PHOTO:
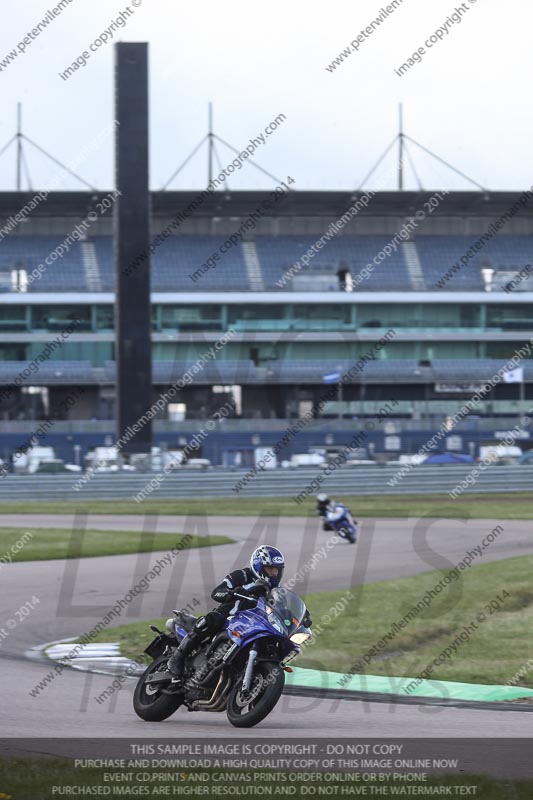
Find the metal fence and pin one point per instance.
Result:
(270, 483)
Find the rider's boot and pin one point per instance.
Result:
(189, 643)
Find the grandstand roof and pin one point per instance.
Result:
(297, 203)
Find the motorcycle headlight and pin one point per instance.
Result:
(277, 625)
(300, 638)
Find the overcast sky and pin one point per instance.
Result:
(468, 99)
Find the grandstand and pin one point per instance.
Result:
(289, 334)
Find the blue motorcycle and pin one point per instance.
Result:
(345, 526)
(241, 671)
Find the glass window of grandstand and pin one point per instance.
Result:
(442, 316)
(449, 316)
(34, 403)
(509, 317)
(258, 318)
(319, 317)
(503, 351)
(191, 318)
(104, 318)
(303, 317)
(57, 318)
(13, 318)
(13, 352)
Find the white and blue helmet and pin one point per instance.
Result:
(267, 556)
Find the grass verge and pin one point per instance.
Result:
(493, 653)
(42, 544)
(491, 646)
(515, 505)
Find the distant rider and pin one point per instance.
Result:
(330, 511)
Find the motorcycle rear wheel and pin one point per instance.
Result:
(245, 712)
(151, 704)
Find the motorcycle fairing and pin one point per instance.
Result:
(254, 624)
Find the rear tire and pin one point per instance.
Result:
(262, 705)
(150, 704)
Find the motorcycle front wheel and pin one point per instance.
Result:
(149, 702)
(245, 711)
(348, 534)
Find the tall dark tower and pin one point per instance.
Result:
(133, 350)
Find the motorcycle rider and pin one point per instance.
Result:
(330, 511)
(265, 572)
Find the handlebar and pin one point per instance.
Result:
(254, 593)
(242, 596)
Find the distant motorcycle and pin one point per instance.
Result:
(345, 525)
(241, 671)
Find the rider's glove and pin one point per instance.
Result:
(239, 592)
(260, 586)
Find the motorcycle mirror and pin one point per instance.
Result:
(156, 630)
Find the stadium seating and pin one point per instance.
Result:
(48, 372)
(469, 370)
(278, 254)
(294, 372)
(284, 372)
(103, 246)
(64, 274)
(439, 253)
(357, 372)
(179, 257)
(219, 371)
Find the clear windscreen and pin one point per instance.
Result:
(287, 608)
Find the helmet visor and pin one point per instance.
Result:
(273, 574)
(271, 571)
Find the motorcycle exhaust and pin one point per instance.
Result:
(215, 665)
(217, 701)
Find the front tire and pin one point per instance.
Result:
(149, 703)
(244, 712)
(348, 534)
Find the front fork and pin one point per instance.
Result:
(248, 673)
(252, 658)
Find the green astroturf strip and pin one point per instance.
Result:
(442, 690)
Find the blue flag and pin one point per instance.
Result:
(333, 377)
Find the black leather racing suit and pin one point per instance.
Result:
(240, 580)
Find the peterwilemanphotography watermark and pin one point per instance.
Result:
(265, 323)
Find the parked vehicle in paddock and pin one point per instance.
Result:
(240, 671)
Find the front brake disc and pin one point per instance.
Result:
(243, 700)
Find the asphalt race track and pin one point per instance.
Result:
(74, 595)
